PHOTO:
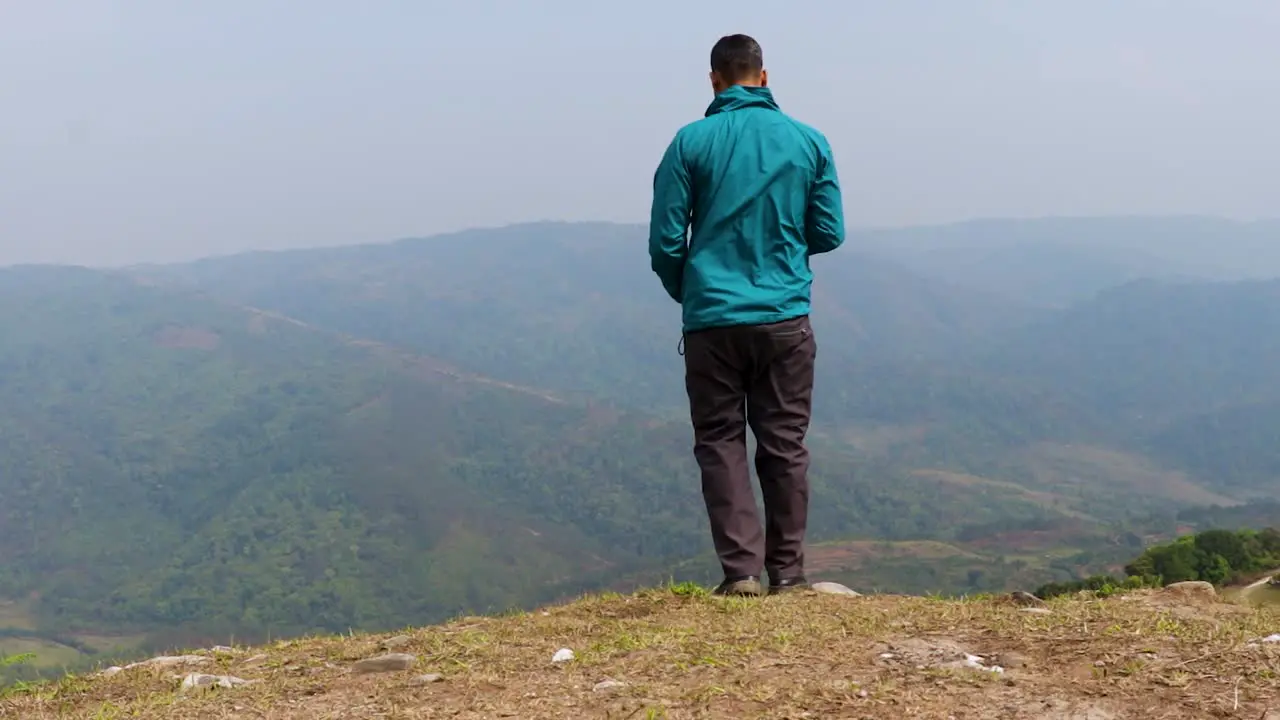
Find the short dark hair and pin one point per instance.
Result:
(736, 57)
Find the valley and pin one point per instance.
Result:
(272, 444)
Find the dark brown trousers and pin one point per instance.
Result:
(759, 376)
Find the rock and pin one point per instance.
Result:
(562, 655)
(427, 679)
(831, 588)
(1025, 599)
(222, 650)
(1036, 610)
(111, 671)
(166, 661)
(199, 681)
(974, 662)
(1191, 591)
(391, 662)
(607, 685)
(397, 642)
(256, 659)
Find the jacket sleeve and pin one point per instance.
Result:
(669, 220)
(824, 217)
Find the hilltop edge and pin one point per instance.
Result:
(675, 652)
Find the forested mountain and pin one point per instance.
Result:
(167, 459)
(929, 372)
(384, 434)
(572, 307)
(172, 462)
(1150, 351)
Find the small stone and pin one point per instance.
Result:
(111, 671)
(196, 681)
(391, 662)
(1036, 611)
(606, 685)
(562, 655)
(1026, 599)
(863, 694)
(397, 642)
(832, 588)
(222, 650)
(256, 659)
(427, 679)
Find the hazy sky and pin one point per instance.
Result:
(153, 129)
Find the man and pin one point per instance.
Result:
(760, 192)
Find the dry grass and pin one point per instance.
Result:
(685, 655)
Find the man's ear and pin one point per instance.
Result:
(764, 78)
(716, 85)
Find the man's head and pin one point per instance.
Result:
(737, 60)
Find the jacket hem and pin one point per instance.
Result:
(768, 319)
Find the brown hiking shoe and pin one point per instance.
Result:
(747, 586)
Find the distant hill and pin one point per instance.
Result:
(1149, 352)
(574, 306)
(963, 377)
(1059, 261)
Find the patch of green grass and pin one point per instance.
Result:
(687, 589)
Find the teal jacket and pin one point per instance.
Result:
(760, 192)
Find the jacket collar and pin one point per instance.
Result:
(740, 96)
